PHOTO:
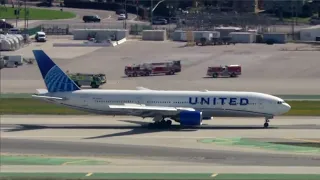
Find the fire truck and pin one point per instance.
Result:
(147, 69)
(224, 71)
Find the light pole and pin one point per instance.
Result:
(151, 12)
(126, 15)
(153, 8)
(292, 21)
(25, 15)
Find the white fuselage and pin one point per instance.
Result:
(210, 103)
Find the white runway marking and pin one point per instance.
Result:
(89, 174)
(214, 175)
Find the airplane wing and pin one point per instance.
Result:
(150, 110)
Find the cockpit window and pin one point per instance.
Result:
(280, 102)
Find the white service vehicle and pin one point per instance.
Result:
(11, 61)
(122, 17)
(41, 36)
(188, 108)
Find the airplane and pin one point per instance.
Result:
(189, 108)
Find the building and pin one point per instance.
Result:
(246, 5)
(287, 6)
(310, 33)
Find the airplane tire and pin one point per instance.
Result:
(266, 125)
(169, 122)
(160, 124)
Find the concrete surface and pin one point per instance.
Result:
(124, 143)
(168, 168)
(267, 69)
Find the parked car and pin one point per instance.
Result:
(5, 25)
(159, 22)
(122, 17)
(94, 18)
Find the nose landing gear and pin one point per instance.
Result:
(266, 124)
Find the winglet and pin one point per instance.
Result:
(55, 79)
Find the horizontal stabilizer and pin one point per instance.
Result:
(143, 88)
(42, 91)
(48, 97)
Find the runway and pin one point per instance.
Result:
(126, 141)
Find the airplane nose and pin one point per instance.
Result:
(287, 107)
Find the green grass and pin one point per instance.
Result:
(299, 19)
(304, 108)
(36, 14)
(35, 106)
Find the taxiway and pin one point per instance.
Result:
(125, 141)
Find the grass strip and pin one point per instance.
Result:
(36, 160)
(35, 14)
(35, 106)
(304, 108)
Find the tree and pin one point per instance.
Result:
(306, 10)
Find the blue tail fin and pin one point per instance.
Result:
(55, 79)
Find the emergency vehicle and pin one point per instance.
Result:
(83, 79)
(224, 71)
(147, 69)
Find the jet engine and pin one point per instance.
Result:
(190, 118)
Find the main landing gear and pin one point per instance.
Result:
(266, 124)
(160, 123)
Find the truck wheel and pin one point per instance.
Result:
(134, 74)
(77, 84)
(93, 85)
(214, 75)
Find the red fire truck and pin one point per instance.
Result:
(224, 71)
(146, 69)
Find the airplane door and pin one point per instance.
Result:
(84, 101)
(260, 104)
(139, 100)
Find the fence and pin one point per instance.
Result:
(32, 31)
(53, 29)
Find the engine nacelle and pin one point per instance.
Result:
(190, 118)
